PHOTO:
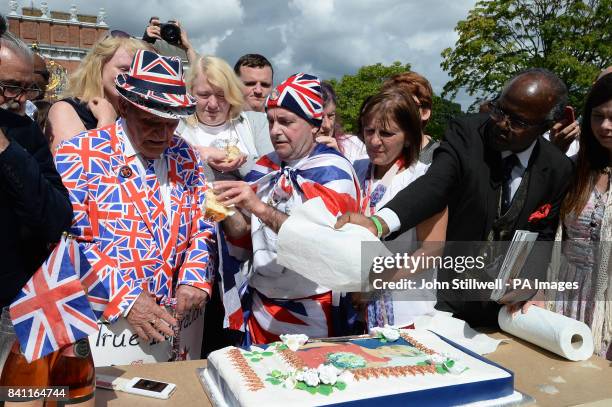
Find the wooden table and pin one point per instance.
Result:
(537, 373)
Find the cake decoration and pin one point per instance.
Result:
(346, 360)
(294, 341)
(257, 354)
(416, 344)
(445, 364)
(322, 380)
(386, 334)
(252, 381)
(290, 357)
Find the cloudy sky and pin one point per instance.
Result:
(329, 38)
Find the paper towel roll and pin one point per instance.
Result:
(554, 332)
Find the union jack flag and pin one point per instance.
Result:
(300, 92)
(52, 309)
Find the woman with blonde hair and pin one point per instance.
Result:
(90, 100)
(229, 139)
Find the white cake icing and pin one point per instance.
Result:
(230, 379)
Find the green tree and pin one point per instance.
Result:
(499, 38)
(352, 90)
(442, 111)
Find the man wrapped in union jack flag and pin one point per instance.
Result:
(137, 190)
(279, 300)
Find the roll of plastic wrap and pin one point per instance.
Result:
(554, 332)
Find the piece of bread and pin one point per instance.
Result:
(214, 210)
(233, 152)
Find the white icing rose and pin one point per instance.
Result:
(346, 377)
(328, 374)
(391, 334)
(388, 332)
(290, 382)
(457, 367)
(294, 342)
(436, 359)
(311, 377)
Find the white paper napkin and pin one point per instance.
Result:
(309, 244)
(458, 331)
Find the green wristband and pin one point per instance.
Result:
(379, 228)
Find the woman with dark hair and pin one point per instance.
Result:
(390, 125)
(331, 133)
(586, 228)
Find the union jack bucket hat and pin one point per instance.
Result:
(300, 94)
(155, 84)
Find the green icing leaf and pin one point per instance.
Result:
(449, 363)
(309, 389)
(440, 369)
(325, 389)
(340, 385)
(267, 354)
(273, 380)
(304, 386)
(255, 359)
(276, 373)
(282, 346)
(422, 364)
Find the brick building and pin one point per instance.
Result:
(64, 37)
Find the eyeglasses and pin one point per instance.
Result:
(515, 124)
(14, 91)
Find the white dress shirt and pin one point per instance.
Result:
(572, 150)
(393, 221)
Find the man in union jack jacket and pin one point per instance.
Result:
(137, 191)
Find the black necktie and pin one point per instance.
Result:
(508, 164)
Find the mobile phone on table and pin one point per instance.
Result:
(150, 388)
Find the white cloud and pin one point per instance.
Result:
(329, 38)
(209, 47)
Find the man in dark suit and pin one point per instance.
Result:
(492, 171)
(34, 205)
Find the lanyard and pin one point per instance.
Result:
(375, 190)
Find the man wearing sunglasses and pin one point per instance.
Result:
(493, 171)
(34, 205)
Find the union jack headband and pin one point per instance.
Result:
(300, 94)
